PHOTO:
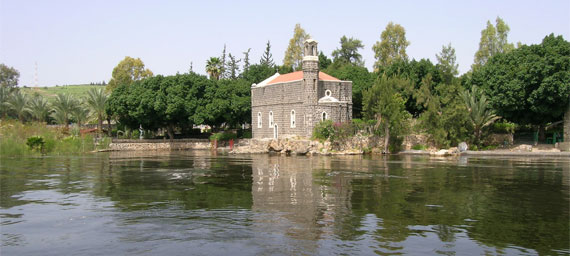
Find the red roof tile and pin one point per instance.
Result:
(298, 75)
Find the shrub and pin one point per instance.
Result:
(36, 143)
(504, 127)
(223, 136)
(323, 130)
(419, 147)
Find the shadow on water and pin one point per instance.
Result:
(167, 202)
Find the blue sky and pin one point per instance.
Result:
(81, 41)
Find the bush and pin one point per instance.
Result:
(504, 127)
(36, 143)
(419, 147)
(245, 134)
(223, 136)
(323, 130)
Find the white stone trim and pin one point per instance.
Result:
(264, 82)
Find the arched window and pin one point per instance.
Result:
(259, 122)
(325, 117)
(271, 119)
(293, 124)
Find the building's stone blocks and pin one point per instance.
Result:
(303, 97)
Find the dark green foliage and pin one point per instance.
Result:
(324, 61)
(267, 57)
(36, 143)
(257, 73)
(160, 102)
(323, 130)
(223, 136)
(8, 76)
(361, 79)
(348, 52)
(284, 69)
(227, 102)
(504, 127)
(531, 84)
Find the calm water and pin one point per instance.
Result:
(195, 203)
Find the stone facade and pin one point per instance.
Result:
(292, 104)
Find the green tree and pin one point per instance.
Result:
(348, 52)
(128, 71)
(223, 65)
(531, 84)
(39, 108)
(447, 63)
(96, 100)
(8, 76)
(5, 94)
(480, 113)
(267, 57)
(214, 68)
(392, 46)
(386, 105)
(18, 103)
(493, 41)
(258, 73)
(233, 67)
(324, 61)
(361, 79)
(246, 59)
(63, 106)
(294, 53)
(80, 113)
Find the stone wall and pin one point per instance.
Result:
(156, 145)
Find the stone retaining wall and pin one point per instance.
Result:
(143, 146)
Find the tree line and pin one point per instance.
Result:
(524, 84)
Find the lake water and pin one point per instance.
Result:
(198, 203)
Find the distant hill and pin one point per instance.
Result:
(77, 91)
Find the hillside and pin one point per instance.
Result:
(77, 91)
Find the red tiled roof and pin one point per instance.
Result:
(298, 75)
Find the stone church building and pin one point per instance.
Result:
(292, 104)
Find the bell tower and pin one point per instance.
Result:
(310, 83)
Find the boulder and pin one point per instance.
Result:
(462, 147)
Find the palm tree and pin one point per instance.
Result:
(39, 108)
(80, 114)
(63, 106)
(96, 99)
(5, 94)
(480, 113)
(18, 103)
(213, 67)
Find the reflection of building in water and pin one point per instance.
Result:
(300, 197)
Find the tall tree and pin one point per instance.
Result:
(5, 95)
(392, 46)
(447, 63)
(324, 61)
(8, 76)
(348, 52)
(96, 100)
(233, 67)
(294, 53)
(246, 60)
(18, 103)
(64, 105)
(223, 64)
(493, 41)
(214, 68)
(267, 57)
(530, 84)
(80, 113)
(39, 108)
(128, 71)
(480, 112)
(384, 104)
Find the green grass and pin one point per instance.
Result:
(14, 135)
(77, 91)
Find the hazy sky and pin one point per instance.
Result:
(77, 42)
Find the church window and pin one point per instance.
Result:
(259, 122)
(293, 124)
